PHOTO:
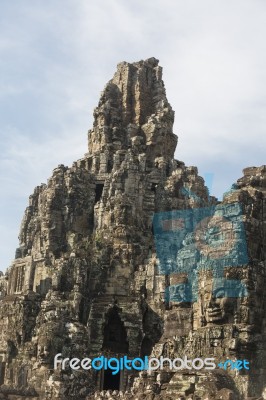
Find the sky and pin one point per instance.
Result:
(56, 57)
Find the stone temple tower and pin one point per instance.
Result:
(94, 276)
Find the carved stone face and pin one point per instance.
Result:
(217, 306)
(169, 348)
(44, 352)
(178, 293)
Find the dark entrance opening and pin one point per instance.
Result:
(111, 381)
(115, 335)
(2, 372)
(98, 192)
(146, 347)
(153, 187)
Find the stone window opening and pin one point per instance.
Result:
(22, 378)
(20, 279)
(2, 372)
(153, 187)
(109, 166)
(98, 192)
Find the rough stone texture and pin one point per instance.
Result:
(86, 281)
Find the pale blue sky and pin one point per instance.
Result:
(56, 56)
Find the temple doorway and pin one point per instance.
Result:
(110, 381)
(115, 335)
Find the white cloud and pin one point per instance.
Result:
(55, 60)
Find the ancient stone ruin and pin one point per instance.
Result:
(125, 253)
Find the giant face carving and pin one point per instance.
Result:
(178, 293)
(217, 306)
(49, 342)
(44, 352)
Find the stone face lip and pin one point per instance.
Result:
(121, 254)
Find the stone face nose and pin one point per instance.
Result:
(212, 301)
